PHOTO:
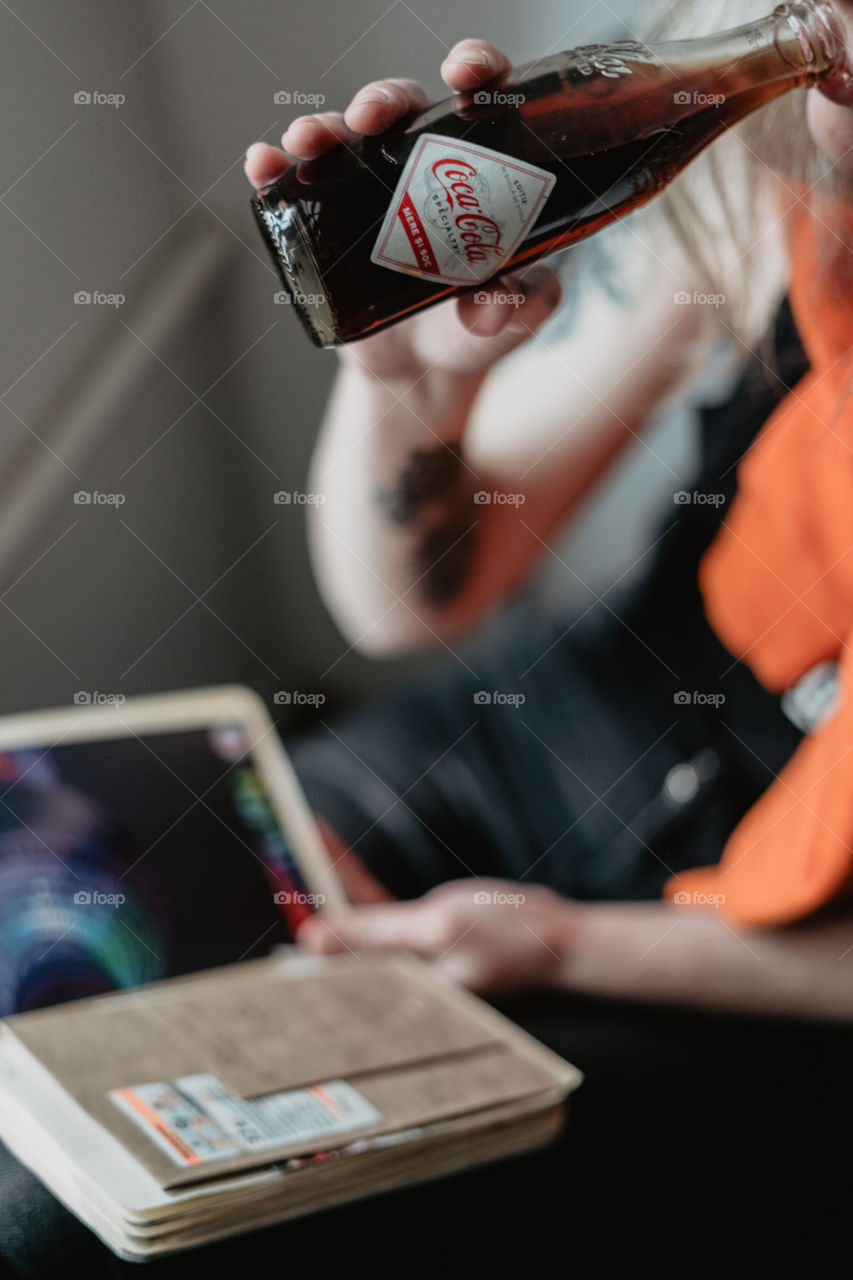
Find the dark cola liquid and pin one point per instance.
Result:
(614, 124)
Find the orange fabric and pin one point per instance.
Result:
(778, 589)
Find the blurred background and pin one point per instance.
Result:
(145, 358)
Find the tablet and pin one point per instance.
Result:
(147, 838)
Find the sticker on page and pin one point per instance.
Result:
(196, 1119)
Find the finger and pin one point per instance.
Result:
(308, 137)
(371, 928)
(515, 304)
(471, 63)
(380, 104)
(264, 164)
(461, 967)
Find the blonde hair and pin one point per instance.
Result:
(724, 209)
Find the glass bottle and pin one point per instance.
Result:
(489, 180)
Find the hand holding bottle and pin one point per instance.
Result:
(448, 198)
(464, 336)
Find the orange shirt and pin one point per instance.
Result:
(778, 588)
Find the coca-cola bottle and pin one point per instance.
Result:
(378, 229)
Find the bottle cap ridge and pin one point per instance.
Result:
(822, 40)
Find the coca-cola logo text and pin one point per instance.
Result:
(480, 235)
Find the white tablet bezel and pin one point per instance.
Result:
(196, 709)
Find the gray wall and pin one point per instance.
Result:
(198, 397)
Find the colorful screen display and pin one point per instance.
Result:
(127, 860)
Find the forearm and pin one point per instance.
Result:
(403, 552)
(673, 955)
(393, 540)
(417, 535)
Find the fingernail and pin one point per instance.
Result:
(472, 58)
(293, 123)
(371, 95)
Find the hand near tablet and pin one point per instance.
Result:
(489, 935)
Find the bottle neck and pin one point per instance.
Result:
(821, 31)
(810, 37)
(798, 44)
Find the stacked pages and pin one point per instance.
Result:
(187, 1110)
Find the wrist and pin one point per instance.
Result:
(596, 936)
(563, 934)
(628, 950)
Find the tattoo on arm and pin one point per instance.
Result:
(433, 498)
(585, 267)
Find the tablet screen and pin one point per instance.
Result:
(127, 860)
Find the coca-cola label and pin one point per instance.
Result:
(459, 212)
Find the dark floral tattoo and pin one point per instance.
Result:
(433, 497)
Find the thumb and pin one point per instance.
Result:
(513, 307)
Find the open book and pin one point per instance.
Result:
(190, 1109)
